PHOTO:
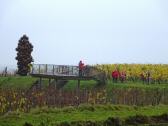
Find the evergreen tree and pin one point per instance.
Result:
(24, 57)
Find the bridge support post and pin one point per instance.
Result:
(49, 81)
(78, 86)
(78, 92)
(55, 83)
(40, 83)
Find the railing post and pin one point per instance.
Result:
(53, 69)
(62, 70)
(46, 69)
(72, 70)
(59, 67)
(39, 69)
(68, 70)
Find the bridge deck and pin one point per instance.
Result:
(62, 77)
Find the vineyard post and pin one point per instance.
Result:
(32, 70)
(6, 71)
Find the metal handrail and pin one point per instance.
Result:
(49, 69)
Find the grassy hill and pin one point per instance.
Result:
(16, 82)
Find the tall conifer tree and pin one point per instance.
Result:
(24, 57)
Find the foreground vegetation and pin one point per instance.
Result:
(131, 93)
(84, 113)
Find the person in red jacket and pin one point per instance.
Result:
(81, 67)
(115, 75)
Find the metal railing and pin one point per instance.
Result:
(59, 70)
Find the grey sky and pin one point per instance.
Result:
(96, 31)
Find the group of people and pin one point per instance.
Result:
(121, 76)
(117, 75)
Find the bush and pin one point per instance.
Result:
(27, 124)
(113, 122)
(138, 119)
(65, 124)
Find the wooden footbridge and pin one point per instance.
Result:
(64, 73)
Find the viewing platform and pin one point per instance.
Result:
(59, 72)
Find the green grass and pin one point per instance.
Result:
(82, 113)
(16, 82)
(26, 82)
(72, 84)
(140, 85)
(91, 84)
(19, 82)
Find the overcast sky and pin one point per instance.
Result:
(95, 31)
